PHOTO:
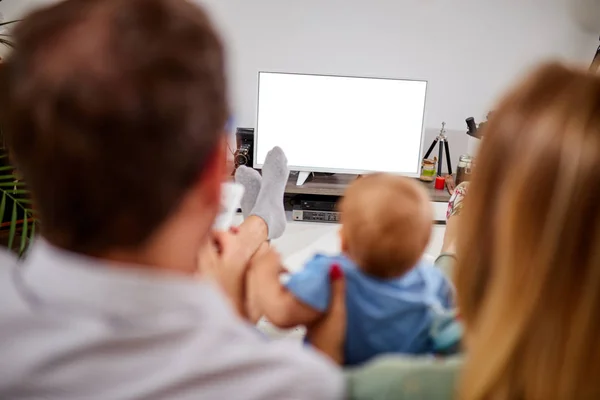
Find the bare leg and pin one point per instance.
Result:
(264, 215)
(249, 240)
(253, 312)
(252, 233)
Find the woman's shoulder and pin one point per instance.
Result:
(402, 377)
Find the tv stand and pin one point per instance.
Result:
(302, 177)
(336, 185)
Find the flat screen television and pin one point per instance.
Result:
(341, 124)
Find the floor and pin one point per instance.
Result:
(302, 240)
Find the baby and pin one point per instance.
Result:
(395, 300)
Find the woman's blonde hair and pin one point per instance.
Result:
(528, 276)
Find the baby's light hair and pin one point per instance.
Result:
(387, 222)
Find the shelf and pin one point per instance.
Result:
(335, 185)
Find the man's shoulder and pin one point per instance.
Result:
(243, 363)
(293, 372)
(8, 296)
(209, 357)
(8, 261)
(184, 335)
(250, 366)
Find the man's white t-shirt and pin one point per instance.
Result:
(73, 327)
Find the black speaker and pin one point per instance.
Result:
(244, 153)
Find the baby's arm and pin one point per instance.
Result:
(281, 307)
(301, 301)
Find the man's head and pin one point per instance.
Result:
(386, 224)
(114, 112)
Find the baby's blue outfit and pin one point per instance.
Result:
(384, 315)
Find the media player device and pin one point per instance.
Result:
(298, 214)
(317, 203)
(315, 208)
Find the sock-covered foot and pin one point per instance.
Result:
(269, 204)
(250, 179)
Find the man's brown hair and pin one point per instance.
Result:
(387, 223)
(111, 109)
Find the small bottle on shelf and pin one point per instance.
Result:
(463, 170)
(428, 170)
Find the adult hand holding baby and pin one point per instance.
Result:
(328, 330)
(327, 334)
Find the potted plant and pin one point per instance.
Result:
(17, 218)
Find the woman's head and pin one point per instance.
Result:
(529, 272)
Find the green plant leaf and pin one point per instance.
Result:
(19, 191)
(7, 168)
(7, 43)
(9, 22)
(13, 226)
(2, 207)
(11, 184)
(23, 236)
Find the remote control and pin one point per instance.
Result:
(231, 196)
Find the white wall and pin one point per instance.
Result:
(468, 50)
(13, 9)
(587, 14)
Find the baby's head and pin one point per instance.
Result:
(386, 224)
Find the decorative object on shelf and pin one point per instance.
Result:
(472, 129)
(476, 130)
(440, 182)
(428, 170)
(442, 140)
(463, 170)
(475, 134)
(244, 153)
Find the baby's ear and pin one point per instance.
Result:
(343, 241)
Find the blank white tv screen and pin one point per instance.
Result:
(341, 124)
